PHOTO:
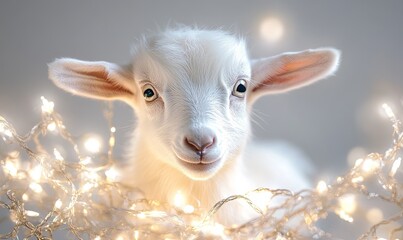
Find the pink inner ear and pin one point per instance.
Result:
(103, 83)
(292, 71)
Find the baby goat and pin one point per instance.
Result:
(192, 91)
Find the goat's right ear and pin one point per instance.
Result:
(100, 80)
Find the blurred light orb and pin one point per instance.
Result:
(271, 29)
(92, 144)
(374, 215)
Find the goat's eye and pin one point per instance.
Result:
(239, 88)
(149, 93)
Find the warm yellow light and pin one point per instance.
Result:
(87, 187)
(136, 235)
(371, 165)
(58, 204)
(57, 154)
(47, 106)
(36, 173)
(36, 187)
(348, 203)
(188, 209)
(93, 144)
(51, 126)
(388, 111)
(30, 213)
(11, 168)
(272, 29)
(179, 199)
(112, 174)
(321, 187)
(97, 238)
(357, 179)
(25, 197)
(395, 166)
(374, 215)
(86, 160)
(345, 216)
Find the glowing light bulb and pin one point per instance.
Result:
(112, 174)
(136, 235)
(272, 29)
(51, 126)
(321, 187)
(188, 209)
(113, 129)
(36, 173)
(57, 154)
(92, 144)
(87, 187)
(58, 204)
(30, 213)
(25, 197)
(348, 203)
(36, 187)
(47, 106)
(371, 165)
(388, 111)
(179, 199)
(11, 168)
(86, 160)
(395, 166)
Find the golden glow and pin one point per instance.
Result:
(47, 106)
(93, 144)
(388, 111)
(374, 215)
(57, 154)
(36, 173)
(112, 174)
(272, 29)
(179, 199)
(51, 126)
(31, 213)
(11, 168)
(395, 166)
(25, 197)
(348, 203)
(371, 165)
(36, 187)
(321, 187)
(58, 204)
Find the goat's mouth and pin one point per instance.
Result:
(200, 166)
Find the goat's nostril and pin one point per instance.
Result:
(199, 146)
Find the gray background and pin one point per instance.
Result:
(325, 120)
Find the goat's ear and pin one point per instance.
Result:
(289, 71)
(100, 80)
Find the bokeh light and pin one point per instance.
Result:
(272, 29)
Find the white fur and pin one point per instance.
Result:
(194, 73)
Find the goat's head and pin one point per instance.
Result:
(192, 91)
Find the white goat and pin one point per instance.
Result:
(192, 91)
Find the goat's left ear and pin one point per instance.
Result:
(289, 71)
(99, 80)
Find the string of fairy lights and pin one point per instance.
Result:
(43, 192)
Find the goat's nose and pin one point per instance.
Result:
(200, 144)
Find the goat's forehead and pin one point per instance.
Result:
(195, 55)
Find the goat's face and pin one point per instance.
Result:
(193, 100)
(192, 90)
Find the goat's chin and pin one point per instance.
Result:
(199, 171)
